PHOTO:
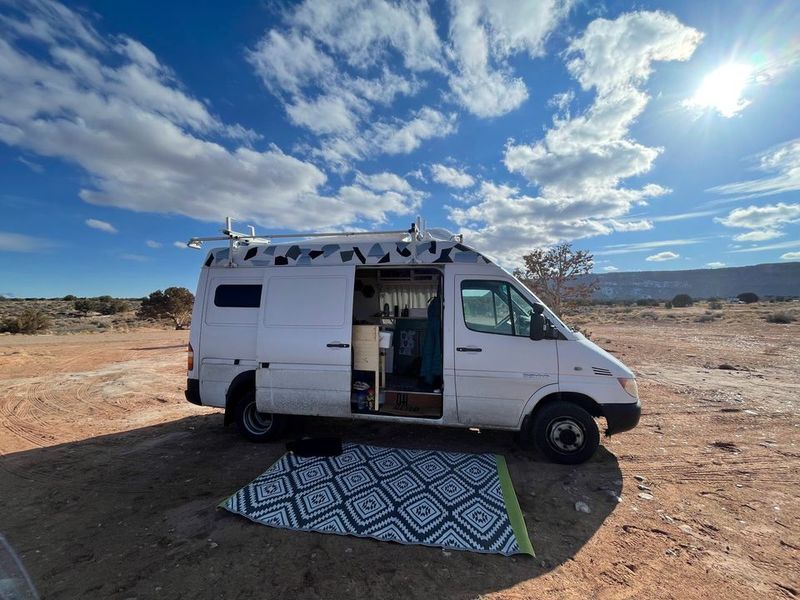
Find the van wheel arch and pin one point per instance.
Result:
(587, 403)
(241, 384)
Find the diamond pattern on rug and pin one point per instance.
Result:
(443, 499)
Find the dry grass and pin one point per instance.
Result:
(699, 313)
(65, 319)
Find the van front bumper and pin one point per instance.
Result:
(622, 417)
(192, 391)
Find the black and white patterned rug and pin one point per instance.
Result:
(443, 499)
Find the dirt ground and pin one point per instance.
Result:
(109, 481)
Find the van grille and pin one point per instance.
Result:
(601, 371)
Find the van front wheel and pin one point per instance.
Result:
(256, 426)
(566, 433)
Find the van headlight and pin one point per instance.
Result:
(629, 385)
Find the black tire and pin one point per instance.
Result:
(256, 426)
(565, 433)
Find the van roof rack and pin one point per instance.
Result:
(417, 231)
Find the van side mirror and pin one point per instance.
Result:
(538, 323)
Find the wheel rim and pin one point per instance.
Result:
(256, 422)
(566, 435)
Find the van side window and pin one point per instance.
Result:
(495, 307)
(237, 296)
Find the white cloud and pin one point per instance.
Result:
(619, 53)
(782, 161)
(683, 216)
(17, 242)
(289, 61)
(645, 246)
(387, 137)
(181, 245)
(778, 246)
(152, 244)
(109, 106)
(610, 269)
(426, 124)
(364, 31)
(715, 265)
(382, 182)
(662, 256)
(483, 35)
(790, 256)
(589, 154)
(643, 225)
(759, 235)
(101, 225)
(451, 177)
(33, 166)
(765, 221)
(581, 161)
(326, 63)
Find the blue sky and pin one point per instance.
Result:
(656, 135)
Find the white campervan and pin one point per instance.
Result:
(404, 326)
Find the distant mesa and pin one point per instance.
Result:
(773, 279)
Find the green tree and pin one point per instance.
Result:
(682, 301)
(174, 303)
(554, 274)
(748, 297)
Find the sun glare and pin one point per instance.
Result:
(721, 90)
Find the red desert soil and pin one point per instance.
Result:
(110, 480)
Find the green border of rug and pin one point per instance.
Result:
(512, 507)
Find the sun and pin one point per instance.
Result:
(721, 90)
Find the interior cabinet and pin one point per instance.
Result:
(367, 354)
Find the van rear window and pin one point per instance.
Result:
(238, 296)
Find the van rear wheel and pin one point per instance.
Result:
(566, 433)
(257, 426)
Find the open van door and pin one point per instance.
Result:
(304, 341)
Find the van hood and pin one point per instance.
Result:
(580, 352)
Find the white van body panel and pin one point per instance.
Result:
(585, 351)
(304, 339)
(495, 374)
(217, 377)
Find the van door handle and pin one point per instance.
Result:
(469, 349)
(338, 345)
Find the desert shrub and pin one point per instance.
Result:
(69, 298)
(715, 304)
(667, 304)
(781, 317)
(174, 303)
(32, 320)
(9, 325)
(649, 314)
(748, 297)
(682, 301)
(706, 318)
(105, 305)
(646, 302)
